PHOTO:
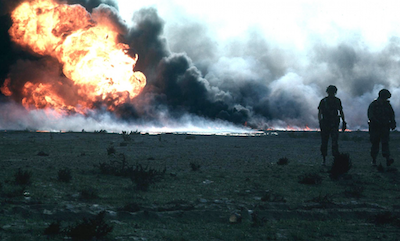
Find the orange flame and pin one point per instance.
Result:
(89, 51)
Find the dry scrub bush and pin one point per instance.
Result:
(22, 177)
(144, 176)
(86, 229)
(64, 175)
(194, 166)
(341, 165)
(88, 193)
(283, 161)
(310, 179)
(111, 150)
(89, 229)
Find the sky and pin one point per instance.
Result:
(260, 64)
(294, 23)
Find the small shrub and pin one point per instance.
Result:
(256, 220)
(53, 229)
(111, 150)
(89, 229)
(341, 165)
(272, 197)
(42, 153)
(386, 218)
(310, 179)
(126, 136)
(64, 175)
(12, 192)
(354, 192)
(194, 166)
(89, 193)
(143, 177)
(283, 161)
(322, 199)
(22, 177)
(190, 137)
(131, 207)
(115, 167)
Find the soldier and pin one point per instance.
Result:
(330, 111)
(381, 120)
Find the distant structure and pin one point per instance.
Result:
(380, 121)
(330, 111)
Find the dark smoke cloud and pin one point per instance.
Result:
(252, 80)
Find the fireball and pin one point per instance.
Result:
(89, 52)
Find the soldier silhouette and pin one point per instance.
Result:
(330, 111)
(380, 121)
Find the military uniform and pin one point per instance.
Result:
(381, 120)
(329, 124)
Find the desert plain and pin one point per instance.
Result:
(205, 187)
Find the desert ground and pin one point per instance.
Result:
(168, 186)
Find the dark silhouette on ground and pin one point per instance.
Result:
(381, 120)
(330, 111)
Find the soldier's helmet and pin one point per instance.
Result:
(331, 89)
(384, 94)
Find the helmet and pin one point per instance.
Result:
(331, 89)
(384, 94)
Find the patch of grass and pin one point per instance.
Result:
(190, 137)
(42, 153)
(131, 207)
(256, 220)
(64, 175)
(53, 229)
(12, 192)
(144, 176)
(283, 161)
(195, 166)
(111, 150)
(89, 193)
(90, 229)
(116, 167)
(322, 199)
(386, 218)
(126, 136)
(354, 191)
(310, 179)
(22, 177)
(270, 196)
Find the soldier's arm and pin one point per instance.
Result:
(392, 119)
(371, 116)
(319, 111)
(342, 115)
(341, 111)
(319, 115)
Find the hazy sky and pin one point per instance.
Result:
(295, 23)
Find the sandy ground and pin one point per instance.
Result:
(236, 174)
